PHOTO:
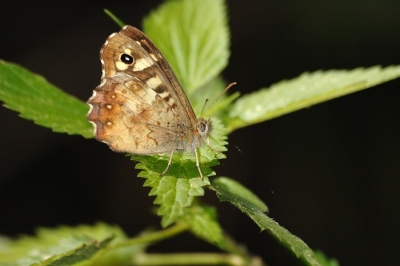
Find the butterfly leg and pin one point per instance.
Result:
(198, 163)
(169, 162)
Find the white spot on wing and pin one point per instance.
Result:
(153, 82)
(171, 101)
(94, 126)
(150, 95)
(141, 64)
(153, 56)
(91, 98)
(90, 108)
(90, 111)
(109, 37)
(121, 66)
(127, 51)
(103, 81)
(164, 94)
(106, 42)
(103, 73)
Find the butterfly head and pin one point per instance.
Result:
(201, 132)
(204, 127)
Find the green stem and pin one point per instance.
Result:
(113, 17)
(232, 246)
(153, 236)
(189, 259)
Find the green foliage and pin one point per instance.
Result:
(306, 90)
(80, 254)
(197, 50)
(326, 261)
(60, 246)
(233, 192)
(38, 100)
(176, 189)
(202, 221)
(213, 90)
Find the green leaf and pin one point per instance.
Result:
(232, 191)
(326, 261)
(248, 203)
(176, 189)
(202, 221)
(295, 244)
(196, 48)
(60, 246)
(82, 253)
(38, 100)
(306, 90)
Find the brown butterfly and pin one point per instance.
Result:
(139, 106)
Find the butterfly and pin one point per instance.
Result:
(139, 106)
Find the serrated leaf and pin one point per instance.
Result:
(82, 253)
(292, 242)
(196, 48)
(60, 246)
(176, 189)
(202, 221)
(306, 90)
(38, 100)
(226, 190)
(232, 191)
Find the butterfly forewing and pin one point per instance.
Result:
(153, 51)
(140, 107)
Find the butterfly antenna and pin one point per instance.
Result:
(204, 106)
(211, 105)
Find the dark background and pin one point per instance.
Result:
(329, 173)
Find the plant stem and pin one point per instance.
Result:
(188, 259)
(153, 236)
(231, 246)
(114, 17)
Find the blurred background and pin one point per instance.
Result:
(329, 173)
